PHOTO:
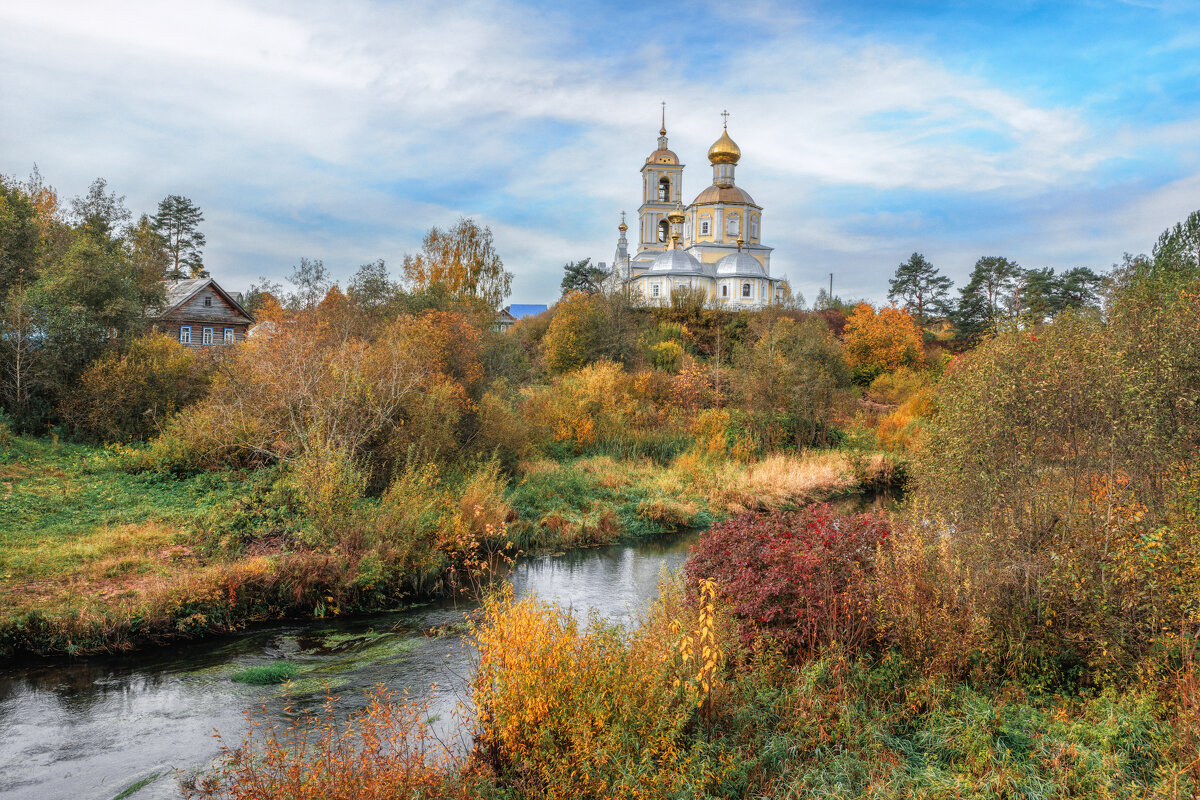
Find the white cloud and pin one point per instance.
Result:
(337, 130)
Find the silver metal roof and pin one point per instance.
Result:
(742, 265)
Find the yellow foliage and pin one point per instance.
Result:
(599, 711)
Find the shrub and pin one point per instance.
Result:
(801, 577)
(385, 753)
(894, 388)
(573, 709)
(130, 395)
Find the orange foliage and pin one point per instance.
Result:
(881, 342)
(386, 752)
(900, 430)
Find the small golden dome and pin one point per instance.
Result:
(622, 227)
(724, 150)
(675, 214)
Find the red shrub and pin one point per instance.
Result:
(801, 577)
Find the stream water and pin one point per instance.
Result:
(92, 727)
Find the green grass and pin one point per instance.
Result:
(59, 502)
(267, 674)
(136, 787)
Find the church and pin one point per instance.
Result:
(713, 245)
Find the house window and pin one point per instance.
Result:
(664, 190)
(664, 230)
(208, 300)
(185, 334)
(229, 336)
(745, 290)
(704, 227)
(207, 336)
(654, 290)
(724, 290)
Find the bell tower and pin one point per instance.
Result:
(662, 189)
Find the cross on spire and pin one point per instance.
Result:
(725, 119)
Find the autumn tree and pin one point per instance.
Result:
(922, 288)
(461, 261)
(879, 342)
(791, 378)
(178, 222)
(582, 276)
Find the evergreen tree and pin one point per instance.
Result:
(178, 221)
(922, 288)
(582, 276)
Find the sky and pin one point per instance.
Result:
(1056, 134)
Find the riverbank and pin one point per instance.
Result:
(97, 557)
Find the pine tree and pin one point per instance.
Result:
(177, 221)
(921, 287)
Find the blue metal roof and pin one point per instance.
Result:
(522, 310)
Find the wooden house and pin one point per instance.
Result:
(199, 313)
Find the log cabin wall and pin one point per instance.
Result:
(208, 308)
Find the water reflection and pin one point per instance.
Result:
(90, 727)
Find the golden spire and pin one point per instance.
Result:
(675, 217)
(724, 150)
(663, 130)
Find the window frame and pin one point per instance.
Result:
(185, 334)
(230, 336)
(208, 301)
(655, 290)
(724, 290)
(733, 224)
(746, 289)
(206, 335)
(705, 226)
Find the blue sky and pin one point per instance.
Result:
(1057, 134)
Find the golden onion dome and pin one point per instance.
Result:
(724, 150)
(675, 214)
(622, 227)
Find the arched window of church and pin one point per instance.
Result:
(745, 290)
(724, 290)
(705, 226)
(732, 225)
(754, 227)
(664, 230)
(664, 190)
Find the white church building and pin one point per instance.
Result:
(712, 245)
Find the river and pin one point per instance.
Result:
(90, 728)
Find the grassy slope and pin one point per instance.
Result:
(73, 527)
